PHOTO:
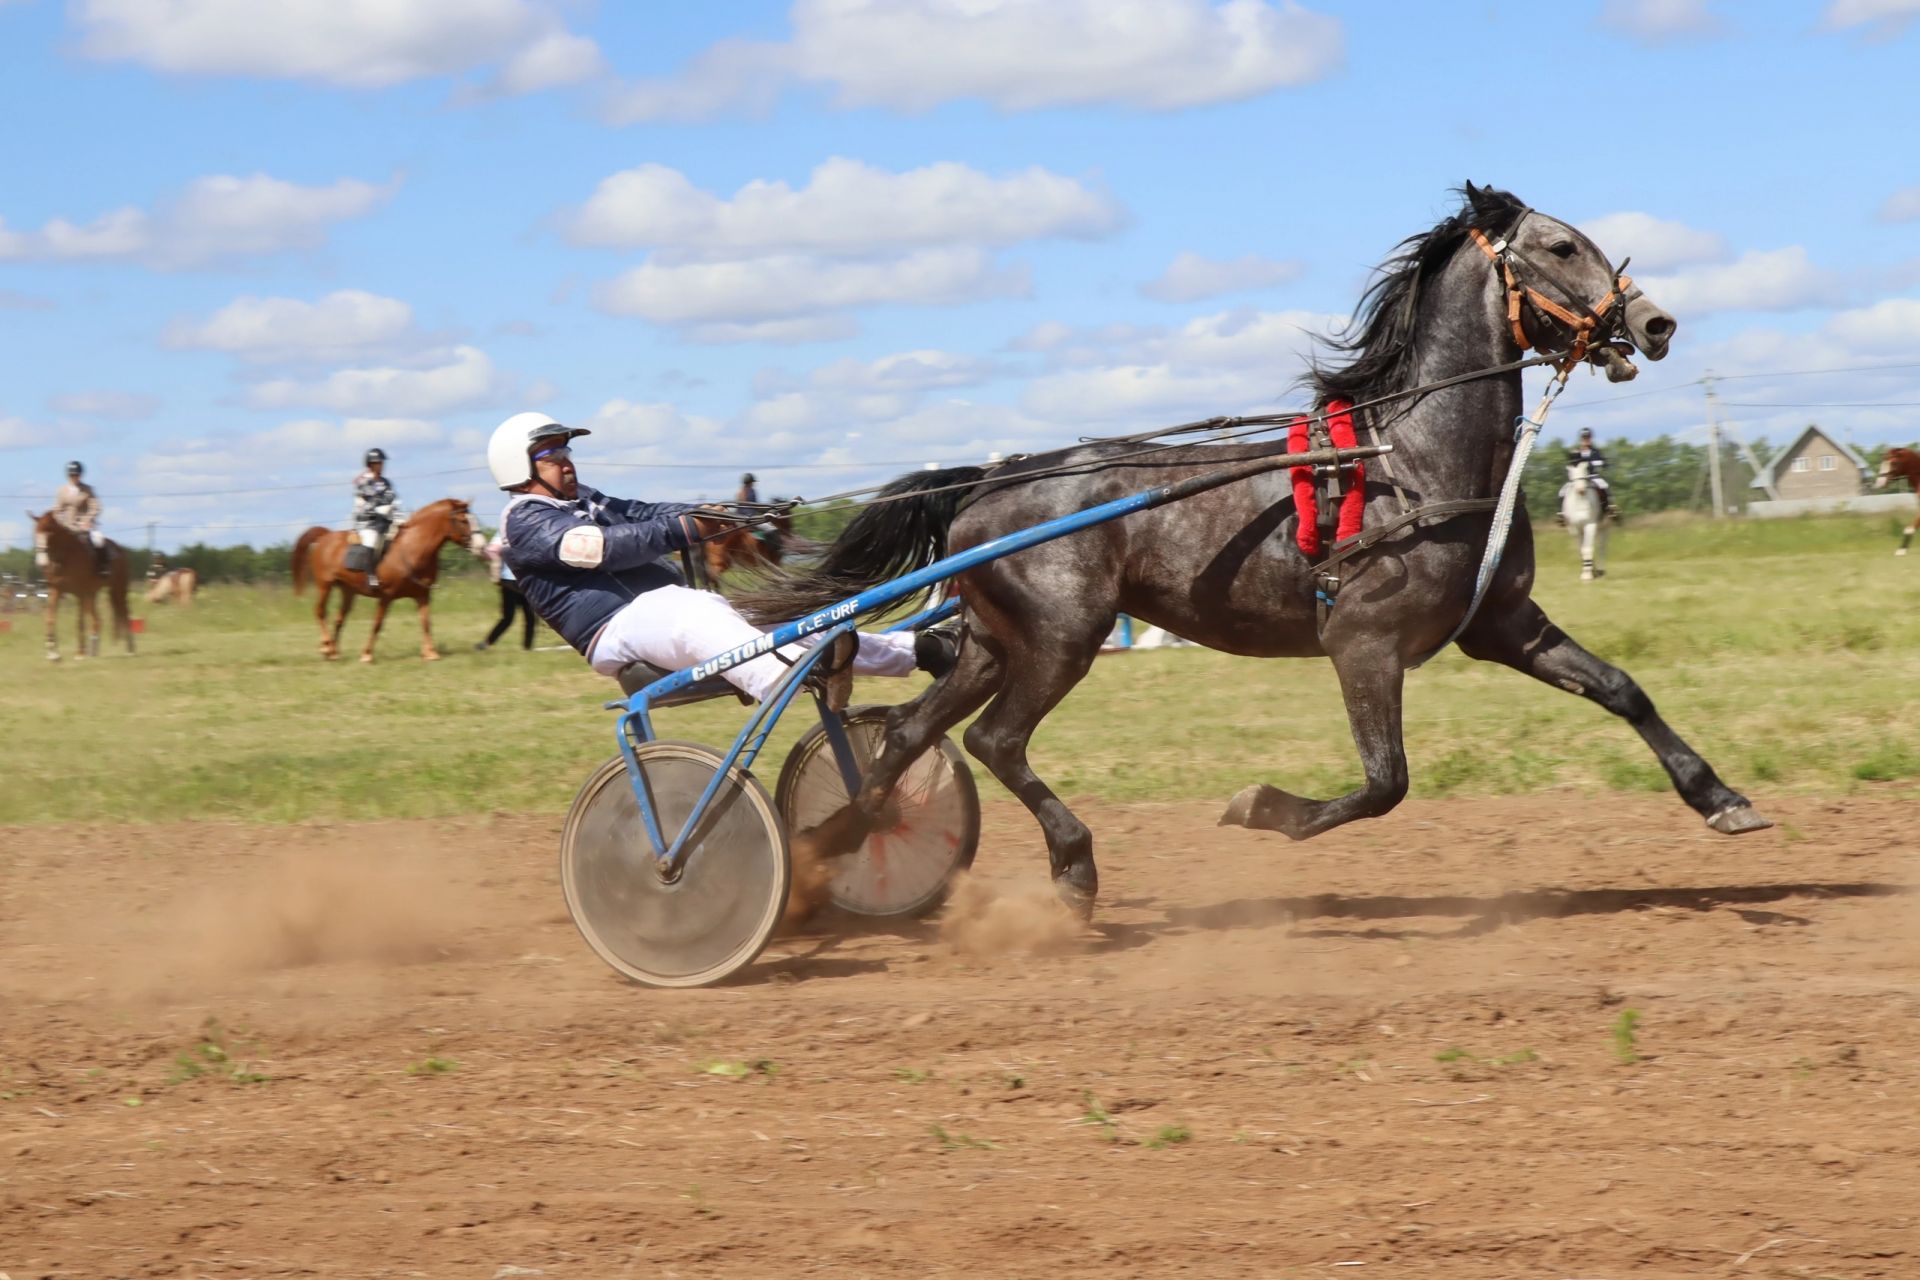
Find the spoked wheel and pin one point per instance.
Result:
(905, 869)
(731, 891)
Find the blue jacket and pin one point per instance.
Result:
(578, 563)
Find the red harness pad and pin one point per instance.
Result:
(1306, 498)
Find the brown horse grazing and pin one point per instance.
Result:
(177, 585)
(71, 569)
(1901, 464)
(408, 569)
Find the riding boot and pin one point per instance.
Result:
(833, 674)
(937, 648)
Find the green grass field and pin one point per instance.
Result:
(1784, 651)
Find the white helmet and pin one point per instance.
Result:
(512, 441)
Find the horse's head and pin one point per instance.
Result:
(1562, 290)
(463, 528)
(1577, 473)
(1898, 462)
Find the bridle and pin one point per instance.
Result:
(1602, 321)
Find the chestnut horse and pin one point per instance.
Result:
(70, 567)
(408, 569)
(1901, 464)
(738, 548)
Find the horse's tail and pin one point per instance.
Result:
(904, 529)
(302, 547)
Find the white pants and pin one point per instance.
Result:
(675, 627)
(369, 538)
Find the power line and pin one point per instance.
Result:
(1825, 404)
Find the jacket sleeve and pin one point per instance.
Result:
(538, 542)
(646, 530)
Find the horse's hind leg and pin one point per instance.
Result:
(912, 727)
(379, 616)
(1371, 681)
(1038, 675)
(1525, 639)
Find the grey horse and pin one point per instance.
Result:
(1223, 569)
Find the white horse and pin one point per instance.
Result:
(1581, 510)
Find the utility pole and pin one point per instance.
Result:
(1713, 450)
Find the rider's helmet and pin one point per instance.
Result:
(1586, 435)
(512, 441)
(74, 469)
(375, 455)
(747, 478)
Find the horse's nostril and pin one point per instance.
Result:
(1659, 327)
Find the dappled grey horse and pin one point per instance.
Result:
(1223, 569)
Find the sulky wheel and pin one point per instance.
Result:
(905, 869)
(731, 890)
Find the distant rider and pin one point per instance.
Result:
(1584, 450)
(376, 509)
(593, 567)
(747, 493)
(77, 507)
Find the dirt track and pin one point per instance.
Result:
(1393, 1051)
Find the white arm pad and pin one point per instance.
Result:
(583, 546)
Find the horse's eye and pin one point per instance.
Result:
(1564, 249)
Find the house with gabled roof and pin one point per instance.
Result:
(1818, 473)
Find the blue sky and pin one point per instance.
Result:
(834, 239)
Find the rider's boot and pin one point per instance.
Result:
(833, 674)
(937, 648)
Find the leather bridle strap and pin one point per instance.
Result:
(1520, 295)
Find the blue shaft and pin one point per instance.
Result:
(887, 593)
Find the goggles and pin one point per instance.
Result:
(559, 452)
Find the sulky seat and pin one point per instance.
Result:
(636, 676)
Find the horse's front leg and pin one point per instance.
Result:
(427, 651)
(1906, 534)
(53, 623)
(1525, 639)
(379, 616)
(1589, 532)
(1370, 682)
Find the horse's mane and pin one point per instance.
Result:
(1380, 336)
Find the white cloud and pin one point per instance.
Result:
(357, 44)
(105, 404)
(18, 433)
(1017, 55)
(462, 378)
(212, 218)
(923, 370)
(340, 326)
(1653, 22)
(1655, 244)
(788, 285)
(553, 61)
(1220, 363)
(778, 332)
(1902, 206)
(1887, 17)
(1886, 328)
(1190, 277)
(846, 208)
(324, 437)
(1763, 280)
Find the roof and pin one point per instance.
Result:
(1767, 477)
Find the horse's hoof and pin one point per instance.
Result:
(1737, 820)
(1239, 812)
(1901, 551)
(1076, 899)
(53, 657)
(367, 658)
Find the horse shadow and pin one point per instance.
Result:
(1484, 914)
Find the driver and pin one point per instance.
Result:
(376, 510)
(592, 566)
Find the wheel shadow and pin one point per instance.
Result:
(1481, 915)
